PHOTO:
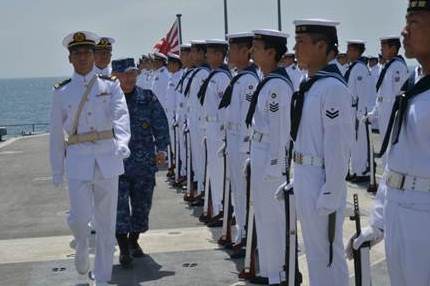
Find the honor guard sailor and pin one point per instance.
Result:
(391, 79)
(89, 135)
(401, 212)
(148, 143)
(209, 96)
(235, 103)
(194, 111)
(361, 87)
(321, 129)
(268, 117)
(181, 110)
(160, 77)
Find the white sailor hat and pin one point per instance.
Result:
(185, 47)
(80, 38)
(356, 42)
(289, 55)
(269, 34)
(195, 43)
(240, 37)
(216, 43)
(391, 40)
(172, 57)
(159, 56)
(105, 43)
(314, 25)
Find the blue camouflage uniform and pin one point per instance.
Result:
(149, 132)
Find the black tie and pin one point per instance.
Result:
(398, 113)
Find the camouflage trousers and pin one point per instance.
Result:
(134, 203)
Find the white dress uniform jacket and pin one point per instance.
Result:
(160, 79)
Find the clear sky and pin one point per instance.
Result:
(31, 31)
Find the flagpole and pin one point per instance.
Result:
(178, 16)
(279, 16)
(225, 19)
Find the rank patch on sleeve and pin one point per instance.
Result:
(249, 96)
(332, 114)
(274, 107)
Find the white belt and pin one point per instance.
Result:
(406, 182)
(257, 136)
(233, 126)
(212, 118)
(307, 160)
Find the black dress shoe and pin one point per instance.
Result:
(259, 280)
(137, 252)
(197, 203)
(125, 260)
(238, 254)
(350, 177)
(360, 179)
(214, 223)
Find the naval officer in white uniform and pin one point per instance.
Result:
(103, 56)
(89, 135)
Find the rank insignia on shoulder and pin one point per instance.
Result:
(108, 77)
(332, 114)
(156, 78)
(220, 94)
(62, 83)
(397, 78)
(274, 107)
(249, 97)
(273, 95)
(274, 162)
(250, 87)
(359, 78)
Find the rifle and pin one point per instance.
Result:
(176, 152)
(249, 270)
(356, 119)
(361, 256)
(373, 185)
(189, 193)
(226, 224)
(207, 207)
(291, 267)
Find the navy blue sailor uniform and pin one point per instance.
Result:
(149, 131)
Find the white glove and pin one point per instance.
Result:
(245, 166)
(325, 204)
(282, 189)
(122, 151)
(369, 116)
(370, 233)
(58, 180)
(221, 150)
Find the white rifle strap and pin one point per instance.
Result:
(84, 99)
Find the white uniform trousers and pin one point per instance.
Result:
(197, 156)
(359, 151)
(407, 231)
(215, 166)
(269, 217)
(308, 181)
(235, 163)
(105, 197)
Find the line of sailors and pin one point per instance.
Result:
(250, 114)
